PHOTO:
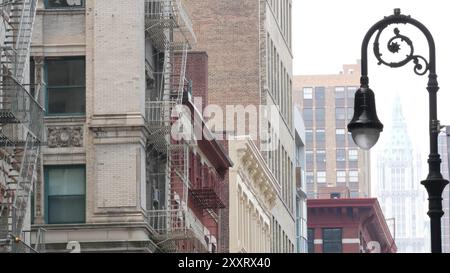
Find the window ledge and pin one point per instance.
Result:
(57, 119)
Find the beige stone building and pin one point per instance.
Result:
(253, 194)
(249, 44)
(335, 166)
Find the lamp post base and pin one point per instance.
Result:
(435, 187)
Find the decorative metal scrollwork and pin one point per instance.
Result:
(421, 65)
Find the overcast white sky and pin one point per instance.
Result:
(329, 33)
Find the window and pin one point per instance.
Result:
(309, 177)
(321, 159)
(339, 93)
(319, 93)
(335, 195)
(350, 113)
(66, 94)
(320, 137)
(64, 4)
(340, 113)
(341, 176)
(309, 137)
(351, 142)
(351, 92)
(340, 137)
(308, 116)
(65, 194)
(320, 117)
(321, 177)
(340, 155)
(307, 93)
(309, 160)
(354, 176)
(353, 155)
(332, 240)
(310, 240)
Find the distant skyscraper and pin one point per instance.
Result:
(444, 151)
(401, 195)
(334, 164)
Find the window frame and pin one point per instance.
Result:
(311, 93)
(46, 191)
(68, 87)
(334, 241)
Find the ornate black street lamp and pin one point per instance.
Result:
(366, 127)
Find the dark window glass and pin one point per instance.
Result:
(321, 159)
(64, 3)
(66, 91)
(310, 240)
(65, 194)
(332, 240)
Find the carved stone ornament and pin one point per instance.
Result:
(64, 136)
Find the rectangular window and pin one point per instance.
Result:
(340, 137)
(351, 92)
(308, 117)
(319, 95)
(353, 155)
(340, 155)
(321, 159)
(309, 138)
(309, 160)
(332, 240)
(340, 113)
(65, 189)
(354, 176)
(307, 93)
(351, 142)
(341, 176)
(310, 240)
(309, 177)
(320, 138)
(350, 113)
(51, 4)
(320, 117)
(66, 86)
(339, 93)
(321, 177)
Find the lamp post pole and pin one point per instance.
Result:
(366, 127)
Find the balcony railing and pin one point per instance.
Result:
(208, 189)
(174, 225)
(18, 106)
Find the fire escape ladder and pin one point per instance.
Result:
(21, 123)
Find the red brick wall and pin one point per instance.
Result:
(197, 72)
